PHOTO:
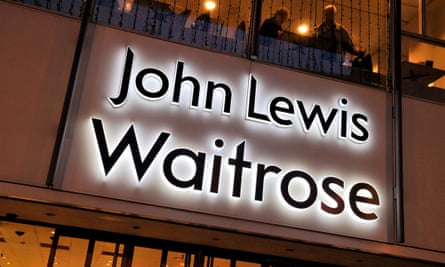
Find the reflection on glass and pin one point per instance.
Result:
(71, 252)
(107, 254)
(434, 18)
(424, 65)
(423, 70)
(179, 259)
(304, 38)
(423, 20)
(247, 264)
(146, 257)
(410, 16)
(216, 262)
(214, 25)
(24, 245)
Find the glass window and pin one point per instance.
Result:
(146, 257)
(211, 24)
(410, 16)
(179, 259)
(355, 50)
(24, 245)
(423, 17)
(434, 18)
(107, 254)
(67, 7)
(71, 252)
(211, 261)
(335, 39)
(247, 264)
(423, 69)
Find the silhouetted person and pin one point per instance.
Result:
(202, 22)
(272, 27)
(333, 36)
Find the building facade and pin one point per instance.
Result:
(185, 133)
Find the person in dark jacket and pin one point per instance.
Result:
(333, 36)
(272, 27)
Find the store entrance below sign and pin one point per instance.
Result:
(29, 245)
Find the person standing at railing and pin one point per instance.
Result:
(202, 23)
(333, 37)
(273, 27)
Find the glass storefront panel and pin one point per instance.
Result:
(220, 262)
(434, 18)
(423, 17)
(71, 252)
(213, 25)
(23, 245)
(146, 257)
(211, 261)
(423, 69)
(27, 245)
(234, 27)
(107, 254)
(247, 264)
(179, 259)
(296, 34)
(410, 16)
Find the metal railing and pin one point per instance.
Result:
(233, 26)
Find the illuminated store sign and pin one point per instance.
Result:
(198, 160)
(278, 108)
(222, 136)
(239, 162)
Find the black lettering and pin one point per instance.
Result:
(275, 107)
(199, 160)
(316, 112)
(149, 94)
(262, 170)
(340, 203)
(211, 88)
(216, 170)
(251, 106)
(118, 101)
(286, 194)
(239, 164)
(343, 119)
(363, 134)
(179, 80)
(344, 124)
(354, 198)
(129, 140)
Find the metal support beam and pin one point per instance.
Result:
(85, 19)
(395, 61)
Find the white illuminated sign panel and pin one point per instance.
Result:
(201, 132)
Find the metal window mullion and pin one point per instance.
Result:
(395, 56)
(54, 245)
(90, 252)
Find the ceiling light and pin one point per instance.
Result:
(210, 5)
(303, 29)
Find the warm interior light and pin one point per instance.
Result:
(303, 29)
(128, 7)
(210, 5)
